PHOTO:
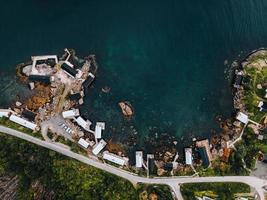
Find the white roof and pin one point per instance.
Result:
(22, 122)
(71, 113)
(99, 147)
(69, 64)
(188, 156)
(242, 117)
(92, 75)
(98, 129)
(44, 57)
(139, 159)
(113, 158)
(4, 113)
(85, 124)
(83, 143)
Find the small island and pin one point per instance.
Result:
(58, 86)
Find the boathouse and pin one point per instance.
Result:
(98, 129)
(138, 159)
(22, 122)
(83, 143)
(204, 157)
(71, 113)
(113, 158)
(85, 124)
(40, 78)
(99, 147)
(242, 117)
(188, 156)
(90, 79)
(68, 69)
(263, 106)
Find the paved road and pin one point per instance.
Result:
(173, 182)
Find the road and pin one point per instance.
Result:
(173, 182)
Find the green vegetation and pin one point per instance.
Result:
(63, 177)
(149, 191)
(222, 191)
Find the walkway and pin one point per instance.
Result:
(173, 182)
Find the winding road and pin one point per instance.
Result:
(173, 182)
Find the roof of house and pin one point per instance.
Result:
(168, 166)
(188, 156)
(263, 106)
(138, 159)
(99, 147)
(40, 78)
(204, 156)
(22, 122)
(71, 113)
(70, 70)
(88, 82)
(85, 124)
(114, 158)
(83, 143)
(98, 129)
(75, 97)
(242, 117)
(29, 115)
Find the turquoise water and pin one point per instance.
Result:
(166, 57)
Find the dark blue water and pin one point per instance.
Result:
(165, 57)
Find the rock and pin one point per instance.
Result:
(106, 89)
(259, 86)
(126, 109)
(175, 142)
(18, 104)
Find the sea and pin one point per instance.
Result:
(170, 59)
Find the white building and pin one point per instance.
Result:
(242, 117)
(71, 113)
(138, 159)
(99, 147)
(188, 156)
(83, 123)
(83, 143)
(22, 122)
(114, 158)
(45, 57)
(5, 112)
(98, 129)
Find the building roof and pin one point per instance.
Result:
(40, 78)
(88, 82)
(71, 113)
(188, 156)
(84, 124)
(204, 156)
(99, 147)
(263, 106)
(242, 117)
(83, 143)
(28, 115)
(75, 97)
(23, 122)
(70, 70)
(168, 166)
(151, 165)
(138, 159)
(114, 158)
(4, 113)
(98, 129)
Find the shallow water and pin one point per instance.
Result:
(167, 58)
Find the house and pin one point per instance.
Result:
(242, 117)
(99, 147)
(98, 129)
(151, 163)
(50, 60)
(23, 122)
(40, 78)
(5, 113)
(83, 143)
(75, 97)
(85, 124)
(88, 82)
(114, 158)
(238, 79)
(168, 166)
(138, 159)
(188, 156)
(68, 69)
(28, 115)
(263, 106)
(71, 113)
(204, 157)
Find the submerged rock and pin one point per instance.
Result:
(126, 109)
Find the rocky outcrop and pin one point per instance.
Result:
(126, 109)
